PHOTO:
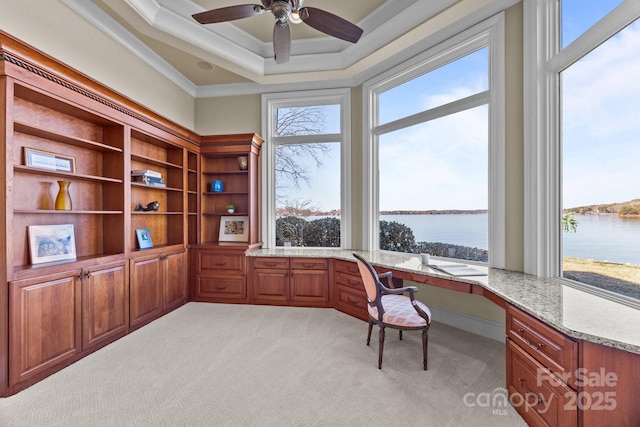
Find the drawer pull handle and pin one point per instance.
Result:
(353, 302)
(220, 264)
(352, 270)
(308, 265)
(538, 346)
(220, 288)
(529, 394)
(353, 282)
(270, 264)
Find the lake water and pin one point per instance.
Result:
(601, 237)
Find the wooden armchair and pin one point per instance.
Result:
(390, 308)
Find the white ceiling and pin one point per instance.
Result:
(209, 60)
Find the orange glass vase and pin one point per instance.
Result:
(63, 199)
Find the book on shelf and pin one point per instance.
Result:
(146, 172)
(148, 180)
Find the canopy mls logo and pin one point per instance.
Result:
(499, 399)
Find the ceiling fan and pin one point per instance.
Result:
(286, 11)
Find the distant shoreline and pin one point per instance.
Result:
(436, 212)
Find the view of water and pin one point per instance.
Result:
(601, 237)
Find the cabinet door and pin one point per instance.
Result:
(145, 300)
(271, 286)
(175, 281)
(45, 319)
(310, 287)
(105, 310)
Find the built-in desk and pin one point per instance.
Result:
(580, 338)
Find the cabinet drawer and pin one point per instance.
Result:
(215, 261)
(552, 349)
(309, 263)
(271, 262)
(351, 301)
(347, 267)
(350, 281)
(222, 287)
(539, 397)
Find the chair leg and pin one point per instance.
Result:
(370, 329)
(400, 334)
(381, 339)
(425, 342)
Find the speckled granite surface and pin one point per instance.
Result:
(575, 312)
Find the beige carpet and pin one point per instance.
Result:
(240, 365)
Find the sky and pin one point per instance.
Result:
(442, 164)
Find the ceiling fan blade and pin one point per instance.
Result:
(281, 42)
(330, 24)
(230, 13)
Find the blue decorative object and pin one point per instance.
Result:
(217, 186)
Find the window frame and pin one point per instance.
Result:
(543, 63)
(489, 34)
(270, 104)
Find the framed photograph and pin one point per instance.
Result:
(49, 243)
(234, 229)
(51, 161)
(144, 238)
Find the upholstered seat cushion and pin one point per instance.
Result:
(398, 311)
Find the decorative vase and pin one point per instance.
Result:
(231, 210)
(63, 199)
(217, 186)
(242, 163)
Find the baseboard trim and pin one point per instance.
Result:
(476, 325)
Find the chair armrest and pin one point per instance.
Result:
(385, 279)
(397, 291)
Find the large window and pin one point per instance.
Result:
(432, 144)
(306, 153)
(589, 144)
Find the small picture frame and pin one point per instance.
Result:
(50, 161)
(144, 238)
(234, 229)
(49, 243)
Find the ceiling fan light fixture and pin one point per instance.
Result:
(294, 18)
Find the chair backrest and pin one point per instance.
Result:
(369, 277)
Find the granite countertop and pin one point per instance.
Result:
(576, 312)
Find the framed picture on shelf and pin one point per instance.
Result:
(51, 161)
(49, 243)
(234, 229)
(144, 238)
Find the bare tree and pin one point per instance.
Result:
(304, 120)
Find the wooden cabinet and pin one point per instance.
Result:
(309, 284)
(302, 282)
(105, 303)
(270, 280)
(158, 283)
(350, 294)
(542, 364)
(44, 318)
(163, 156)
(220, 274)
(240, 186)
(47, 127)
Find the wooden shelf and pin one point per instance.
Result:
(155, 213)
(224, 172)
(156, 162)
(226, 193)
(66, 175)
(155, 187)
(72, 212)
(47, 134)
